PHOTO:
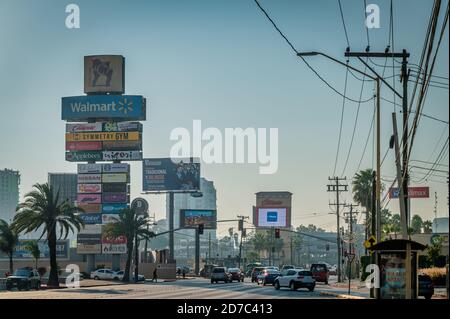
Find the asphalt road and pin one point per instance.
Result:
(180, 289)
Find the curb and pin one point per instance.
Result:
(341, 296)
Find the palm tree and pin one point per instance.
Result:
(362, 190)
(42, 209)
(427, 227)
(8, 241)
(33, 247)
(132, 226)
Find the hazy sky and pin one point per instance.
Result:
(223, 63)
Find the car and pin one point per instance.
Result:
(287, 267)
(255, 272)
(268, 276)
(295, 279)
(118, 275)
(273, 267)
(320, 273)
(103, 274)
(333, 270)
(24, 279)
(220, 274)
(426, 286)
(236, 274)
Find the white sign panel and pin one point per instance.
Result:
(114, 248)
(91, 229)
(89, 178)
(89, 168)
(109, 218)
(116, 168)
(272, 217)
(84, 127)
(122, 155)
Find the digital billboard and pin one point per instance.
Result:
(271, 217)
(90, 107)
(190, 218)
(165, 174)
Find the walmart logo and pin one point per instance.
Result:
(125, 106)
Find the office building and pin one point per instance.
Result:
(9, 193)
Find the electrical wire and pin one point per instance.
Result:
(340, 126)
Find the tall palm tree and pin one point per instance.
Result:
(362, 189)
(132, 226)
(33, 247)
(42, 209)
(8, 241)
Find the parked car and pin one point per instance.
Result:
(268, 276)
(273, 267)
(220, 274)
(255, 272)
(118, 275)
(333, 270)
(24, 279)
(426, 286)
(320, 273)
(287, 267)
(295, 279)
(103, 274)
(236, 274)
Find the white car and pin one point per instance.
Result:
(103, 274)
(295, 279)
(118, 275)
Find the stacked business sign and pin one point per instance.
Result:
(103, 127)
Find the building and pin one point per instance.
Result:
(440, 225)
(9, 193)
(184, 247)
(66, 184)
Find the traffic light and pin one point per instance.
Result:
(277, 233)
(201, 227)
(241, 224)
(244, 232)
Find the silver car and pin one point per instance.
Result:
(220, 274)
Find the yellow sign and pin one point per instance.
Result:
(102, 136)
(370, 242)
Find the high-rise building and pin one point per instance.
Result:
(66, 184)
(9, 193)
(184, 239)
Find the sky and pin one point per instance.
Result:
(223, 63)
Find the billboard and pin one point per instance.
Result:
(163, 174)
(271, 217)
(115, 188)
(113, 208)
(90, 239)
(22, 253)
(89, 168)
(84, 127)
(109, 218)
(91, 218)
(102, 136)
(116, 168)
(115, 198)
(190, 218)
(115, 178)
(85, 249)
(114, 245)
(94, 107)
(122, 126)
(89, 178)
(84, 146)
(91, 229)
(413, 192)
(90, 208)
(84, 156)
(122, 155)
(89, 188)
(89, 199)
(122, 145)
(104, 74)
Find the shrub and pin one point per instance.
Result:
(437, 275)
(101, 266)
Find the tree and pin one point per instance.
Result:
(252, 256)
(434, 250)
(33, 247)
(132, 226)
(8, 241)
(416, 224)
(362, 191)
(42, 209)
(427, 227)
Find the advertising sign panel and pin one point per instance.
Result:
(393, 276)
(104, 74)
(116, 168)
(94, 107)
(84, 146)
(271, 217)
(109, 218)
(103, 136)
(90, 219)
(91, 229)
(89, 178)
(115, 198)
(190, 218)
(113, 208)
(163, 174)
(89, 168)
(122, 126)
(90, 208)
(89, 198)
(84, 127)
(86, 249)
(114, 245)
(84, 156)
(115, 188)
(115, 178)
(122, 145)
(413, 192)
(122, 155)
(89, 188)
(22, 253)
(90, 239)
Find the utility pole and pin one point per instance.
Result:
(241, 228)
(337, 187)
(209, 247)
(197, 251)
(350, 242)
(171, 227)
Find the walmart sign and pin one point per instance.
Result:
(117, 107)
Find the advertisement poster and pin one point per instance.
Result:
(193, 217)
(89, 199)
(114, 245)
(89, 188)
(393, 276)
(271, 217)
(21, 253)
(162, 174)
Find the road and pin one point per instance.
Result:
(197, 288)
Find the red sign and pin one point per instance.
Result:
(83, 146)
(413, 192)
(271, 202)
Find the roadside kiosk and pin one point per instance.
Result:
(392, 259)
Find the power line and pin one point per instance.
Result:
(343, 22)
(426, 162)
(342, 120)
